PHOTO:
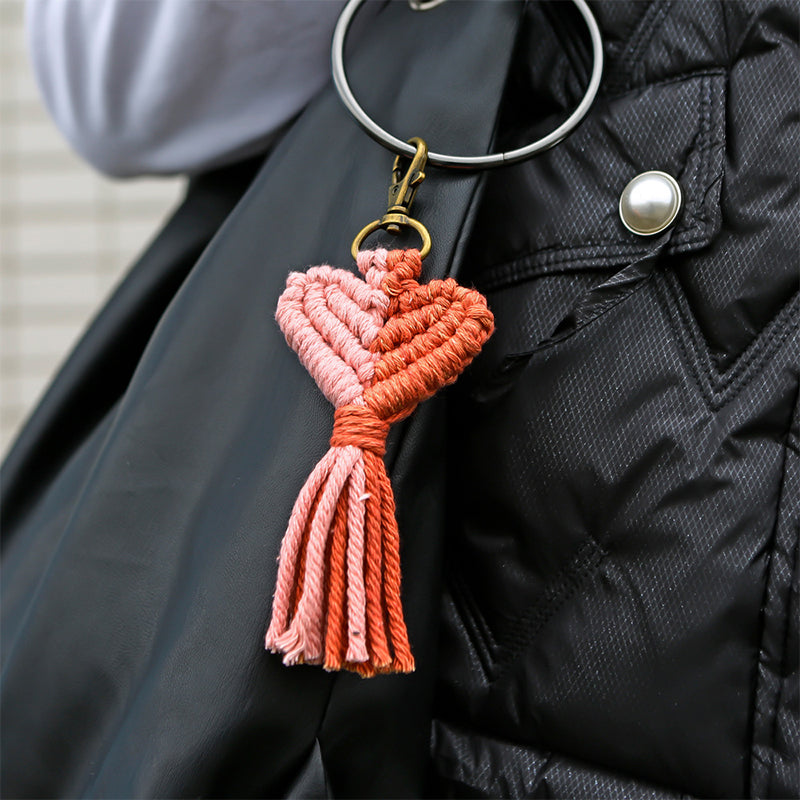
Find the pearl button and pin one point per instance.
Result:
(650, 203)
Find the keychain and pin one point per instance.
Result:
(377, 346)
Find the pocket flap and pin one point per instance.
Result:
(559, 212)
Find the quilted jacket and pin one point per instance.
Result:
(600, 520)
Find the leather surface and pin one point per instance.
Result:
(609, 492)
(140, 557)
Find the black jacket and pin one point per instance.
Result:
(600, 520)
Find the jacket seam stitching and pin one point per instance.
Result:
(782, 681)
(527, 625)
(772, 341)
(638, 43)
(695, 373)
(499, 656)
(764, 602)
(648, 33)
(716, 70)
(719, 389)
(458, 731)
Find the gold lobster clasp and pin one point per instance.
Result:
(402, 190)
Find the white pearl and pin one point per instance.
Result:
(650, 203)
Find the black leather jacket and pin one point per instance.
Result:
(600, 520)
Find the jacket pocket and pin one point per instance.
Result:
(566, 264)
(548, 231)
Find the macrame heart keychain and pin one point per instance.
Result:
(377, 347)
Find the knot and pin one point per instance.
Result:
(404, 267)
(372, 265)
(358, 426)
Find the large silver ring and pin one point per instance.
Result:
(464, 162)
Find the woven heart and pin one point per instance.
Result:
(376, 348)
(432, 332)
(330, 318)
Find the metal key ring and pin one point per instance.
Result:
(464, 162)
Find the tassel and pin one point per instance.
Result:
(376, 348)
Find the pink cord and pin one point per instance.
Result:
(330, 317)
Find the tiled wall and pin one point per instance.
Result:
(67, 234)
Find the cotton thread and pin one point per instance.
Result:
(376, 347)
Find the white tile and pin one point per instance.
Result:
(9, 335)
(12, 40)
(24, 390)
(12, 14)
(67, 233)
(55, 263)
(40, 163)
(74, 188)
(39, 238)
(61, 289)
(50, 341)
(24, 87)
(38, 137)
